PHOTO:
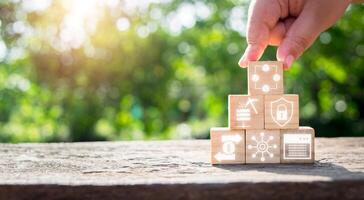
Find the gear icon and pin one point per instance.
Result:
(263, 146)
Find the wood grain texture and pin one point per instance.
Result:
(174, 169)
(277, 103)
(225, 143)
(242, 114)
(265, 77)
(303, 146)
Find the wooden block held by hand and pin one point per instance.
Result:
(246, 112)
(265, 77)
(262, 146)
(298, 145)
(227, 146)
(281, 111)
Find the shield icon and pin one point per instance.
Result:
(281, 111)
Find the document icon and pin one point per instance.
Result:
(297, 146)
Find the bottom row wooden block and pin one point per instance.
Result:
(230, 146)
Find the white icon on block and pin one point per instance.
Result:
(263, 146)
(243, 112)
(297, 146)
(266, 69)
(281, 111)
(228, 147)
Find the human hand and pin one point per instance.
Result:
(292, 25)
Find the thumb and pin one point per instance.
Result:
(306, 28)
(299, 37)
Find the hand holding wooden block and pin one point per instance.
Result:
(265, 77)
(227, 146)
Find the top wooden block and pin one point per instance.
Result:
(265, 77)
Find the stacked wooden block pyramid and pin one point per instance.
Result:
(263, 125)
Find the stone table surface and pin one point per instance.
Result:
(174, 170)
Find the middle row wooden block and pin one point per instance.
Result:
(263, 112)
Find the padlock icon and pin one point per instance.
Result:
(281, 113)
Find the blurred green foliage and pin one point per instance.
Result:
(120, 70)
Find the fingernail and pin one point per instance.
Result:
(242, 61)
(282, 53)
(279, 58)
(288, 61)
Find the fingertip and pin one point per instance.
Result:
(284, 56)
(281, 53)
(252, 53)
(242, 62)
(288, 61)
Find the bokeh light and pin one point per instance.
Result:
(156, 69)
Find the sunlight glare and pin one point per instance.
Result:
(80, 21)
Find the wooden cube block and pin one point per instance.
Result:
(265, 77)
(246, 112)
(227, 146)
(281, 111)
(262, 146)
(298, 145)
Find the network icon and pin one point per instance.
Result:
(263, 146)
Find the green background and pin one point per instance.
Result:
(122, 70)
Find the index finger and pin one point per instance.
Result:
(263, 15)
